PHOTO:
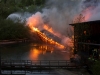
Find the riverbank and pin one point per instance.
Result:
(72, 72)
(3, 42)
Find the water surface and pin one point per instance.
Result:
(33, 51)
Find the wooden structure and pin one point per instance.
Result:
(33, 66)
(87, 38)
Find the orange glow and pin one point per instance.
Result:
(48, 40)
(87, 13)
(48, 28)
(34, 54)
(85, 16)
(71, 42)
(34, 21)
(35, 29)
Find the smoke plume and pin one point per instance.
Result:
(22, 16)
(58, 14)
(91, 9)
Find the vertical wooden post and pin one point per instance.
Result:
(66, 63)
(0, 63)
(58, 63)
(49, 66)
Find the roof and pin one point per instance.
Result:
(88, 43)
(89, 22)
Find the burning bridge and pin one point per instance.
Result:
(48, 37)
(33, 66)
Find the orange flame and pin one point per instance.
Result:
(32, 22)
(46, 27)
(36, 20)
(48, 40)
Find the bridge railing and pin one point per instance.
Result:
(36, 62)
(32, 66)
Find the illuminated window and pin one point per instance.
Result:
(85, 32)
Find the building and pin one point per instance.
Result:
(87, 38)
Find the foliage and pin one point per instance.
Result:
(10, 6)
(10, 30)
(79, 19)
(96, 68)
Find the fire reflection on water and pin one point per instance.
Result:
(37, 50)
(34, 54)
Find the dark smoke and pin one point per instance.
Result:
(58, 14)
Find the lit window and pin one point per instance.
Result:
(85, 32)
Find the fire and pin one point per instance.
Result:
(35, 29)
(32, 22)
(46, 27)
(35, 21)
(46, 39)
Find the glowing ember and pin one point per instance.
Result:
(46, 39)
(35, 29)
(46, 27)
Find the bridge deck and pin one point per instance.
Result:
(36, 65)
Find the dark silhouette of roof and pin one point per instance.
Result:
(88, 22)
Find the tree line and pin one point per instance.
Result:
(9, 6)
(16, 30)
(10, 30)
